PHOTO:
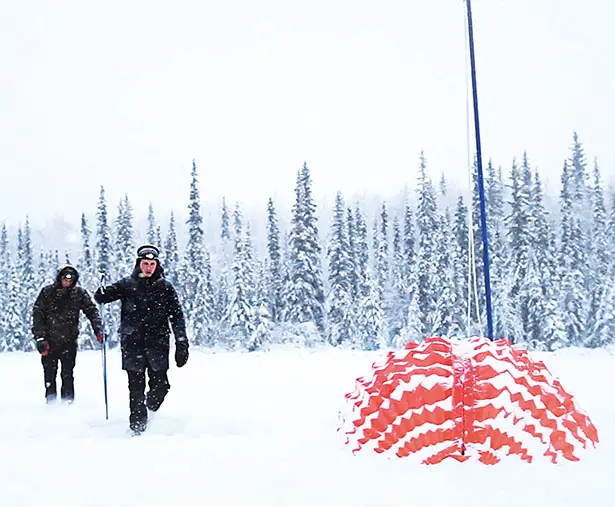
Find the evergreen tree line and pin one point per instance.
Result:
(416, 270)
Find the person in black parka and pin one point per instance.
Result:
(149, 304)
(55, 326)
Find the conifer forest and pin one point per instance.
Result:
(358, 278)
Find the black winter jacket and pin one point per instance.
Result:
(148, 306)
(55, 315)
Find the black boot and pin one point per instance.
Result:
(138, 427)
(50, 372)
(138, 412)
(158, 388)
(67, 361)
(51, 394)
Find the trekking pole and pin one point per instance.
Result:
(104, 347)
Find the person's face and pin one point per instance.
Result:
(148, 266)
(67, 282)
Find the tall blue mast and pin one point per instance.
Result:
(481, 185)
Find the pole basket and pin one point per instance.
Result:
(472, 399)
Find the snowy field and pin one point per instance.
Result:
(259, 429)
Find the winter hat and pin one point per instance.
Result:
(148, 252)
(69, 272)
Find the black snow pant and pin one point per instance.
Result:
(66, 355)
(139, 402)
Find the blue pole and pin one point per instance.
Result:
(104, 350)
(481, 185)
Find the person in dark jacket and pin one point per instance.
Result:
(149, 304)
(55, 326)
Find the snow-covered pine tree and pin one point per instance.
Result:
(28, 285)
(202, 324)
(151, 225)
(442, 186)
(49, 269)
(5, 252)
(159, 241)
(498, 250)
(239, 317)
(460, 264)
(237, 223)
(263, 320)
(86, 262)
(104, 249)
(43, 274)
(339, 301)
(445, 318)
(610, 228)
(599, 267)
(192, 275)
(225, 231)
(375, 243)
(285, 286)
(171, 253)
(555, 335)
(305, 301)
(249, 266)
(15, 331)
(608, 305)
(351, 230)
(103, 238)
(87, 280)
(262, 335)
(396, 245)
(371, 327)
(260, 285)
(224, 282)
(579, 187)
(124, 236)
(507, 321)
(399, 301)
(381, 252)
(428, 224)
(520, 232)
(382, 263)
(534, 299)
(273, 274)
(409, 253)
(581, 194)
(5, 271)
(222, 294)
(542, 264)
(413, 325)
(568, 319)
(543, 239)
(478, 269)
(572, 300)
(603, 331)
(495, 201)
(361, 254)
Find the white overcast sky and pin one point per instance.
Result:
(125, 93)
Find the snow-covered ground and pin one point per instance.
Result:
(252, 429)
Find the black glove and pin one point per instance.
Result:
(42, 346)
(98, 295)
(181, 352)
